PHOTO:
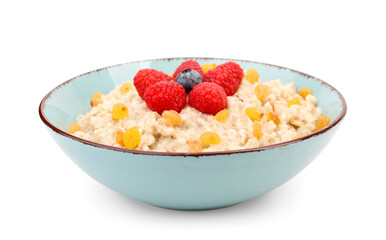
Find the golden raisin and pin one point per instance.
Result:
(119, 136)
(172, 117)
(195, 145)
(252, 75)
(96, 102)
(299, 135)
(295, 123)
(257, 129)
(322, 122)
(74, 127)
(262, 91)
(131, 138)
(207, 66)
(96, 99)
(293, 101)
(254, 113)
(271, 116)
(304, 92)
(272, 102)
(126, 87)
(222, 116)
(209, 138)
(119, 111)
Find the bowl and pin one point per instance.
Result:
(188, 181)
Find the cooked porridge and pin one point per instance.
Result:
(257, 114)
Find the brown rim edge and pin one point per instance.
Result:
(186, 154)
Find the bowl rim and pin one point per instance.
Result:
(193, 154)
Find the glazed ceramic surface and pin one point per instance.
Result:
(190, 181)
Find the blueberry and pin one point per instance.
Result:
(188, 79)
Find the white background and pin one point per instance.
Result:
(341, 195)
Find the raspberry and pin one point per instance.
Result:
(190, 64)
(147, 77)
(165, 96)
(208, 98)
(228, 75)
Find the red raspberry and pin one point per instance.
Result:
(165, 96)
(208, 98)
(147, 77)
(190, 64)
(228, 75)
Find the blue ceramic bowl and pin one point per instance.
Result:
(190, 181)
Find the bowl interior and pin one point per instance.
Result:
(65, 102)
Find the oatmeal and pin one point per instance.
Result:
(256, 114)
